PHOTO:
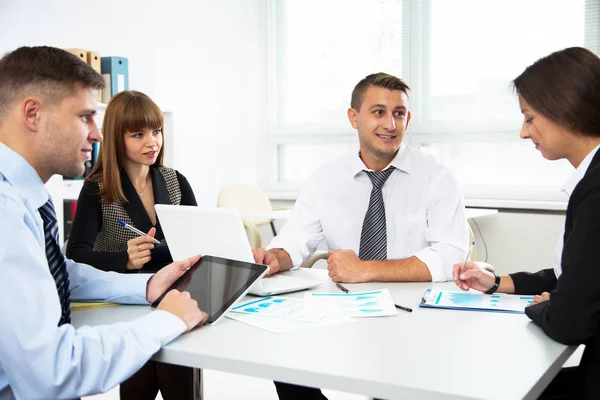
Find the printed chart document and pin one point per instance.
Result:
(278, 314)
(475, 301)
(377, 303)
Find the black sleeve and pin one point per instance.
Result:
(572, 314)
(534, 283)
(86, 225)
(187, 194)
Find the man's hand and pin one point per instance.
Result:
(472, 277)
(345, 266)
(138, 250)
(541, 298)
(262, 256)
(164, 278)
(183, 307)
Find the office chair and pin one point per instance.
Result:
(247, 199)
(317, 255)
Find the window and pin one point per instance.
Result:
(458, 56)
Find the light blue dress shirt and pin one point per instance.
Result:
(38, 358)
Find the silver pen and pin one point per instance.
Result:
(135, 230)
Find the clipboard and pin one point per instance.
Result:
(475, 301)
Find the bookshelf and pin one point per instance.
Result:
(63, 190)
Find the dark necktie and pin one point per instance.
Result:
(373, 237)
(56, 260)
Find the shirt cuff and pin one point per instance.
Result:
(163, 325)
(433, 263)
(132, 284)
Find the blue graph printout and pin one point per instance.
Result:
(475, 301)
(377, 303)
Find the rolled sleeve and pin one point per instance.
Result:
(91, 284)
(433, 262)
(302, 232)
(447, 232)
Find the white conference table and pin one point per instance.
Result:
(426, 354)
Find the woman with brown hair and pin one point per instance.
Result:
(125, 184)
(559, 96)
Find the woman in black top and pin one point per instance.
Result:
(559, 97)
(125, 184)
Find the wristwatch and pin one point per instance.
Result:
(493, 289)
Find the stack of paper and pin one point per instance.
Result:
(278, 314)
(283, 314)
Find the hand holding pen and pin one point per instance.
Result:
(139, 248)
(469, 275)
(136, 230)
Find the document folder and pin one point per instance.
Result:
(475, 301)
(117, 68)
(93, 60)
(81, 53)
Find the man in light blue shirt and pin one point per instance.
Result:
(47, 104)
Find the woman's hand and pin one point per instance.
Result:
(473, 277)
(138, 250)
(540, 298)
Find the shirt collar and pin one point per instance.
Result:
(579, 173)
(401, 161)
(23, 176)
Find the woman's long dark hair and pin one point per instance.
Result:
(565, 87)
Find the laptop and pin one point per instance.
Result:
(191, 230)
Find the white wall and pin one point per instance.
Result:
(520, 240)
(202, 60)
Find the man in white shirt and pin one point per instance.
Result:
(425, 220)
(47, 107)
(388, 213)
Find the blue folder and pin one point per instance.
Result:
(475, 301)
(118, 69)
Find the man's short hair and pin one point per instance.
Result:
(379, 79)
(43, 70)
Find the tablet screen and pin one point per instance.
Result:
(217, 283)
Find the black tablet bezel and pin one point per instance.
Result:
(260, 270)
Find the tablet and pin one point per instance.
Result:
(217, 283)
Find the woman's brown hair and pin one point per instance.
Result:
(127, 111)
(565, 87)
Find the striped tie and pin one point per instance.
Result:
(56, 260)
(373, 238)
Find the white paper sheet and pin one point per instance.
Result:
(376, 303)
(279, 315)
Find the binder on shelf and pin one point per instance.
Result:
(117, 70)
(81, 53)
(106, 91)
(95, 150)
(93, 60)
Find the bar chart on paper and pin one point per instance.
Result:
(376, 303)
(278, 314)
(475, 301)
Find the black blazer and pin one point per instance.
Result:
(88, 222)
(572, 315)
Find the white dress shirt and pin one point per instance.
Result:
(38, 359)
(568, 188)
(424, 207)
